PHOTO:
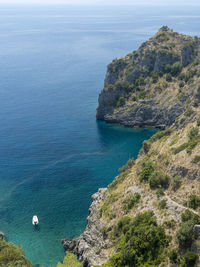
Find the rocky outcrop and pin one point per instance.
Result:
(136, 86)
(147, 113)
(89, 246)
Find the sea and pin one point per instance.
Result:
(53, 153)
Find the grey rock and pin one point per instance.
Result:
(90, 244)
(2, 235)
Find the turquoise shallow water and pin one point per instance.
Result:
(53, 153)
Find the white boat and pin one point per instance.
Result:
(35, 220)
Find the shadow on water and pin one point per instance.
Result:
(36, 228)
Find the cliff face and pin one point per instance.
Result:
(165, 179)
(90, 245)
(149, 87)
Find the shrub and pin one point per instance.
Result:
(193, 132)
(129, 165)
(176, 68)
(196, 159)
(121, 101)
(198, 121)
(141, 242)
(158, 179)
(130, 202)
(189, 259)
(192, 143)
(181, 84)
(161, 134)
(11, 255)
(162, 204)
(160, 192)
(173, 256)
(170, 224)
(146, 171)
(168, 77)
(185, 234)
(69, 261)
(146, 146)
(194, 202)
(180, 148)
(176, 182)
(189, 112)
(135, 98)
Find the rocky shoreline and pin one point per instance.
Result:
(89, 246)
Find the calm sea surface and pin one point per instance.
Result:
(53, 153)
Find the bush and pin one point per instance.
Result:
(128, 165)
(181, 84)
(158, 179)
(193, 132)
(198, 121)
(141, 242)
(196, 159)
(189, 259)
(146, 171)
(120, 102)
(162, 204)
(176, 182)
(130, 202)
(181, 148)
(194, 202)
(173, 256)
(161, 134)
(69, 261)
(176, 68)
(168, 77)
(160, 192)
(146, 146)
(189, 112)
(11, 255)
(185, 234)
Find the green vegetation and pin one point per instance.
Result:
(158, 179)
(196, 159)
(193, 132)
(162, 204)
(160, 192)
(161, 134)
(69, 261)
(198, 121)
(147, 171)
(146, 146)
(194, 202)
(141, 242)
(194, 139)
(169, 77)
(11, 255)
(118, 180)
(189, 259)
(128, 165)
(185, 234)
(130, 202)
(176, 182)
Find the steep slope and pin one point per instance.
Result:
(146, 217)
(11, 255)
(150, 86)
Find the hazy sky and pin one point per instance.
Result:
(97, 2)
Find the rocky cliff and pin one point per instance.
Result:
(150, 86)
(147, 215)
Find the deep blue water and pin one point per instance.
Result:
(53, 153)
